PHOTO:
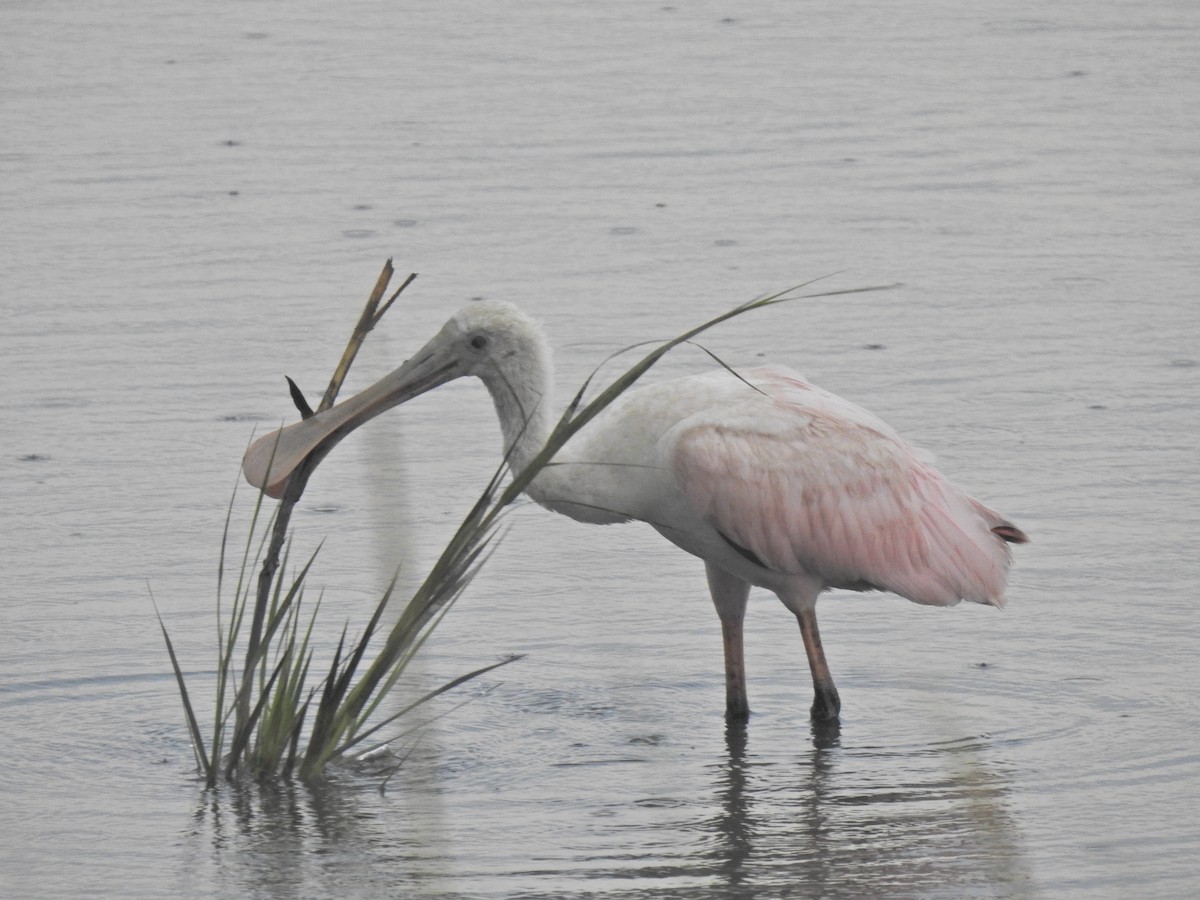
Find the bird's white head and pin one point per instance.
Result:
(495, 340)
(489, 339)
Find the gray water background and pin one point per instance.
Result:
(196, 198)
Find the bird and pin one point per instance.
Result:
(771, 481)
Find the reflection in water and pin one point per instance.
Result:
(833, 821)
(733, 824)
(280, 822)
(930, 821)
(283, 838)
(280, 816)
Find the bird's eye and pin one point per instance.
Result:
(479, 342)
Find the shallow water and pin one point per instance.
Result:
(196, 201)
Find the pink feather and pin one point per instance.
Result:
(813, 485)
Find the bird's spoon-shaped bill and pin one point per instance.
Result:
(270, 461)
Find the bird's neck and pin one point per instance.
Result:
(522, 394)
(524, 404)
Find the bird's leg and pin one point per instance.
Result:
(729, 595)
(737, 704)
(826, 703)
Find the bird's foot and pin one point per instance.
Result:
(737, 712)
(827, 705)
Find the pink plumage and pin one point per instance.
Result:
(813, 485)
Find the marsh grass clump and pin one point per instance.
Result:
(275, 714)
(269, 717)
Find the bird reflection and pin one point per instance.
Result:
(860, 821)
(734, 824)
(826, 735)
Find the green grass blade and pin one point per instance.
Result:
(425, 698)
(243, 733)
(202, 758)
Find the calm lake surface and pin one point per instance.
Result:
(196, 199)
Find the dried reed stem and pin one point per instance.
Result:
(371, 315)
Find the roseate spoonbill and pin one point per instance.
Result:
(770, 480)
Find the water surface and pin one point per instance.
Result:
(196, 201)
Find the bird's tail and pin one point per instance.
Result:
(1000, 527)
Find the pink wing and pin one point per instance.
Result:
(810, 483)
